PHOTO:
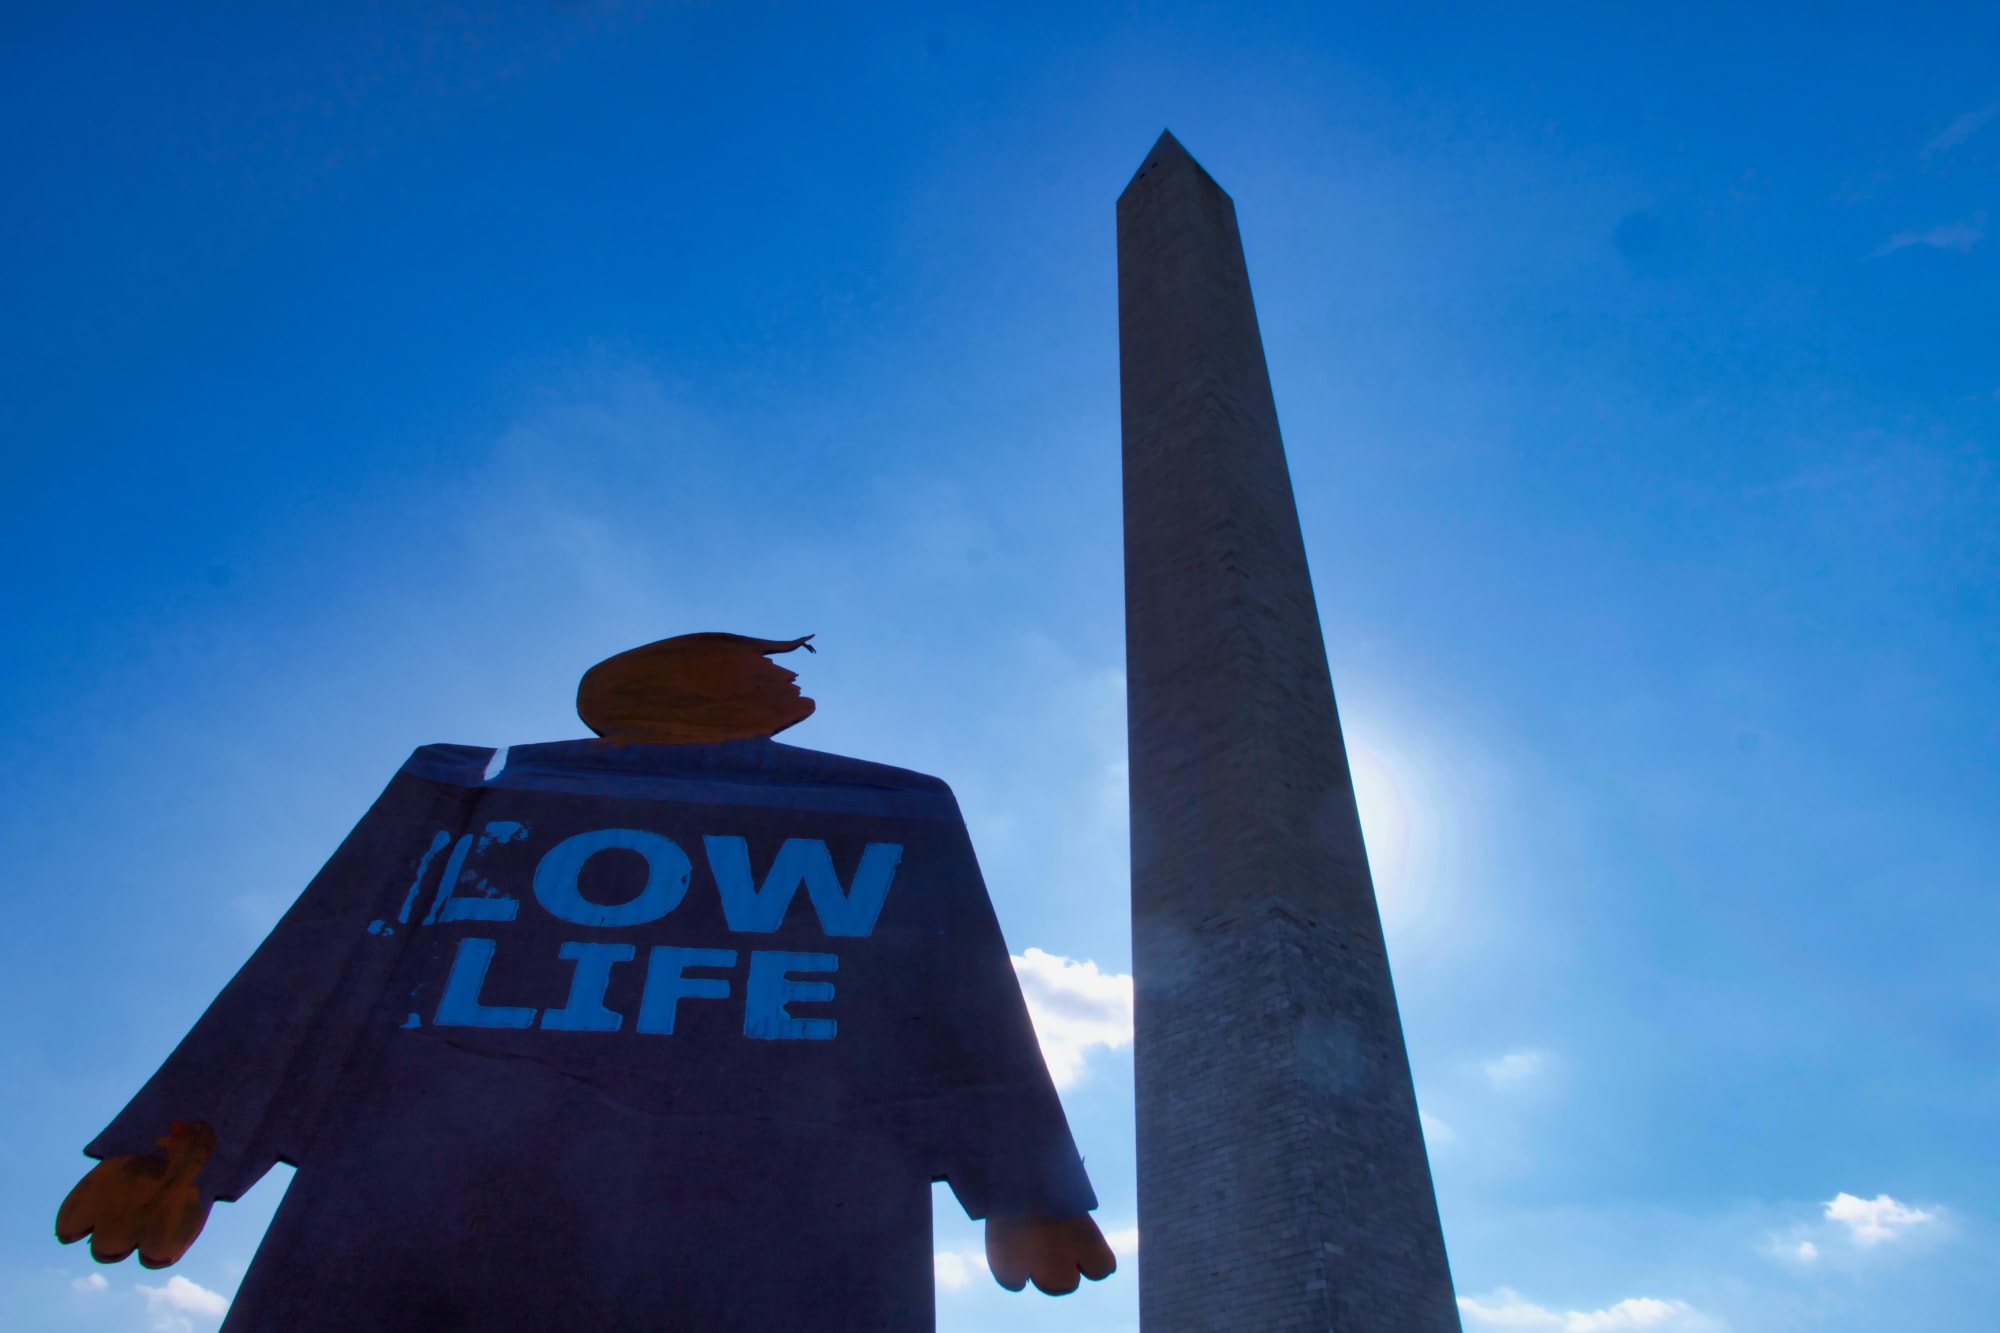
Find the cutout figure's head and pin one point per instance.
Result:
(694, 688)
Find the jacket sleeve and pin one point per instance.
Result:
(263, 1062)
(1003, 1141)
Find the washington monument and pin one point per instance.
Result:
(1282, 1178)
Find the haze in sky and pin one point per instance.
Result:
(368, 372)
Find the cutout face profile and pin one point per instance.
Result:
(694, 688)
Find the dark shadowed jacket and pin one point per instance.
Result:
(623, 1037)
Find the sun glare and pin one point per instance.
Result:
(1408, 825)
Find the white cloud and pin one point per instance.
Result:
(1872, 1221)
(958, 1269)
(1514, 1068)
(1124, 1242)
(91, 1282)
(1959, 236)
(1637, 1312)
(1849, 1229)
(1507, 1309)
(1075, 1007)
(1436, 1132)
(178, 1298)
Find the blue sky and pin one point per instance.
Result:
(367, 372)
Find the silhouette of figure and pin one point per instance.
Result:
(671, 1029)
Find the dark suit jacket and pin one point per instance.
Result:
(624, 1037)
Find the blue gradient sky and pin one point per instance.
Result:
(366, 372)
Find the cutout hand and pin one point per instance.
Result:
(147, 1202)
(1050, 1252)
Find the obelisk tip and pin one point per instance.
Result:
(1166, 155)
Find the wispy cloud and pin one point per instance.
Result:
(90, 1282)
(1507, 1309)
(1960, 129)
(1514, 1068)
(1075, 1007)
(1956, 236)
(1436, 1132)
(1872, 1221)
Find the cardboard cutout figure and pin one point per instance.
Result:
(667, 1030)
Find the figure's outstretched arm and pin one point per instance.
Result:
(149, 1202)
(1050, 1252)
(244, 1089)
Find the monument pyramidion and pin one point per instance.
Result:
(1283, 1182)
